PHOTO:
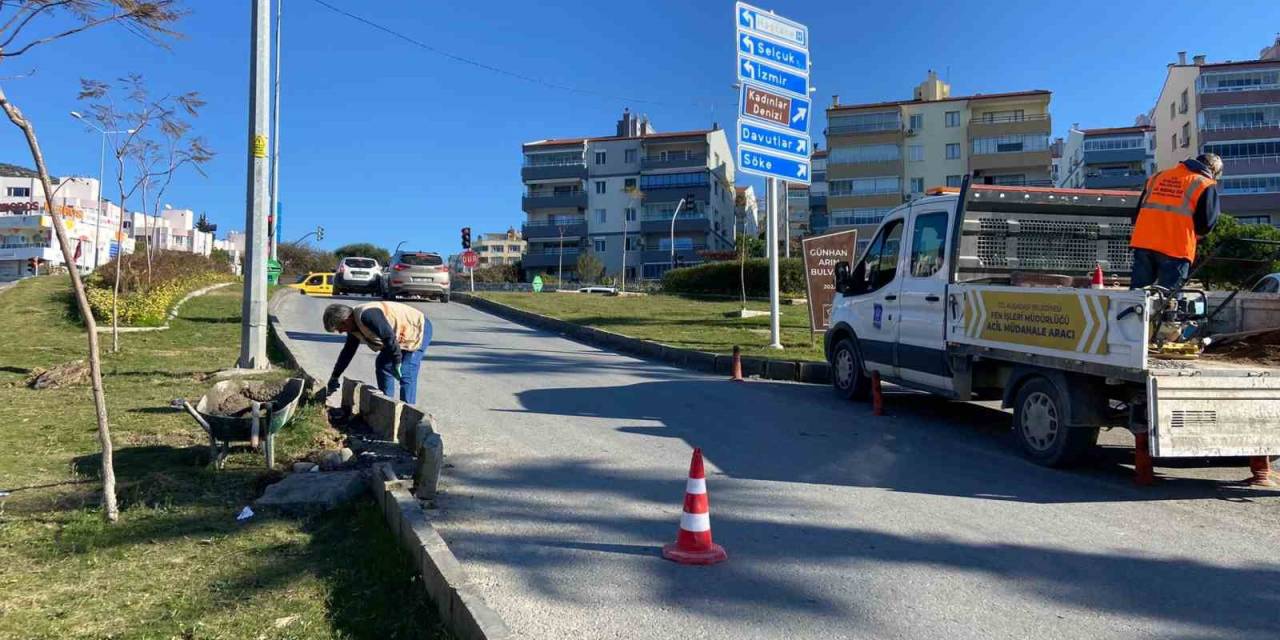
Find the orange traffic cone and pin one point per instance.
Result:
(693, 543)
(1096, 282)
(737, 365)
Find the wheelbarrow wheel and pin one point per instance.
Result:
(269, 451)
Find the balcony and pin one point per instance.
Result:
(691, 161)
(553, 230)
(1138, 154)
(1122, 180)
(1258, 96)
(674, 194)
(864, 129)
(554, 200)
(550, 257)
(1250, 165)
(987, 127)
(695, 222)
(1040, 160)
(684, 256)
(1250, 131)
(554, 171)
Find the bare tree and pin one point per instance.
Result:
(30, 24)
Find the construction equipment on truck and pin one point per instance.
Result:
(984, 294)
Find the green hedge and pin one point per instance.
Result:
(149, 308)
(723, 278)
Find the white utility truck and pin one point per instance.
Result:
(976, 295)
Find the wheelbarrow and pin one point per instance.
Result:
(259, 422)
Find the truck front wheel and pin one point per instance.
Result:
(847, 375)
(1041, 429)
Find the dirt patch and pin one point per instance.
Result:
(64, 375)
(1262, 349)
(240, 402)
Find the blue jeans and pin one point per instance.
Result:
(410, 362)
(1152, 267)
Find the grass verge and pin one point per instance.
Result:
(677, 321)
(177, 565)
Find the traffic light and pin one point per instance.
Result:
(466, 237)
(31, 265)
(319, 233)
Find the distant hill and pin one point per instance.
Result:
(14, 171)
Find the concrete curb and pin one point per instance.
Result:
(461, 608)
(766, 368)
(173, 313)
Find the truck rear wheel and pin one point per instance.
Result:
(847, 375)
(1039, 423)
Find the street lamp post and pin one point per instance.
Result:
(102, 163)
(397, 250)
(673, 228)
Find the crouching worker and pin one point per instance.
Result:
(398, 332)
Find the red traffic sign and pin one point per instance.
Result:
(470, 259)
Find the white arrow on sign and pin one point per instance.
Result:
(751, 71)
(746, 15)
(800, 114)
(746, 39)
(802, 146)
(801, 170)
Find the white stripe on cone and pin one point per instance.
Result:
(696, 486)
(695, 522)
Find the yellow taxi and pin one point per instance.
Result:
(315, 284)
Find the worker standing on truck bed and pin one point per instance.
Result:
(1177, 205)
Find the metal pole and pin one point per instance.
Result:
(786, 218)
(472, 272)
(623, 288)
(775, 313)
(275, 144)
(253, 324)
(560, 260)
(673, 233)
(97, 229)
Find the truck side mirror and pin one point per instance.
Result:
(858, 280)
(842, 276)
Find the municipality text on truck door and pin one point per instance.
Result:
(977, 295)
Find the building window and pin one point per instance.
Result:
(628, 184)
(865, 186)
(861, 215)
(1250, 184)
(633, 243)
(953, 150)
(865, 122)
(954, 181)
(917, 185)
(1009, 180)
(629, 156)
(1173, 142)
(602, 216)
(915, 153)
(18, 192)
(599, 245)
(553, 159)
(953, 118)
(1253, 219)
(497, 248)
(1014, 143)
(631, 214)
(1186, 134)
(863, 153)
(1173, 110)
(673, 180)
(1182, 102)
(1239, 81)
(916, 121)
(600, 157)
(600, 186)
(1113, 144)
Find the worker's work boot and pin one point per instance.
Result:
(1262, 474)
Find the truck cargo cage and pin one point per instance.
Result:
(1007, 230)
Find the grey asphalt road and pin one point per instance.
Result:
(566, 475)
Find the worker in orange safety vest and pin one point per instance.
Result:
(1177, 206)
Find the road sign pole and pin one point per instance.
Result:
(253, 311)
(775, 324)
(471, 273)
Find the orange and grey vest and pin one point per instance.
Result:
(1166, 219)
(406, 323)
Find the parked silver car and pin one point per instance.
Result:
(357, 275)
(417, 273)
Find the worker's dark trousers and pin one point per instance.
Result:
(410, 362)
(1152, 267)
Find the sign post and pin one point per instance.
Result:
(774, 110)
(470, 260)
(821, 253)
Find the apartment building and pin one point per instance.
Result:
(797, 219)
(818, 220)
(1231, 109)
(172, 230)
(1111, 158)
(499, 248)
(615, 197)
(886, 153)
(26, 226)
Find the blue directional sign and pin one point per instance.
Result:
(772, 165)
(775, 109)
(773, 140)
(765, 49)
(763, 22)
(774, 76)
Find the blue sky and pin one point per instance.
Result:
(383, 141)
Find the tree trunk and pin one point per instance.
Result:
(115, 288)
(110, 509)
(146, 224)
